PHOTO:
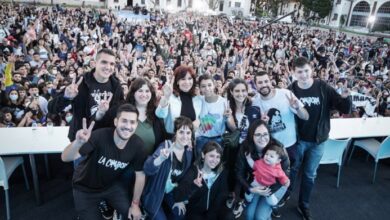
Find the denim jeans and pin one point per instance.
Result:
(308, 155)
(202, 141)
(259, 209)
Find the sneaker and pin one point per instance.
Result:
(239, 209)
(106, 210)
(230, 202)
(276, 213)
(283, 200)
(305, 212)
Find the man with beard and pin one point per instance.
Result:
(280, 106)
(108, 153)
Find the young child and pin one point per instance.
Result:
(267, 171)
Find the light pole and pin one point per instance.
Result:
(371, 21)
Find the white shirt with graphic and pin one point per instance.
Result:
(281, 116)
(212, 122)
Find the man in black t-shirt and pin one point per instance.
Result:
(107, 152)
(92, 95)
(319, 99)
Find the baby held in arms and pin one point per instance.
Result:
(267, 171)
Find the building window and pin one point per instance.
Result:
(237, 4)
(168, 1)
(116, 1)
(221, 6)
(335, 17)
(382, 22)
(190, 3)
(360, 14)
(142, 2)
(178, 3)
(338, 2)
(157, 2)
(230, 4)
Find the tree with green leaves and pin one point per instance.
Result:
(268, 7)
(321, 7)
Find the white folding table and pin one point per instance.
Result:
(359, 127)
(31, 141)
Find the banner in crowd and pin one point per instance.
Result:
(366, 102)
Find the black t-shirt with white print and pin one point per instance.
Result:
(177, 168)
(97, 91)
(311, 98)
(105, 162)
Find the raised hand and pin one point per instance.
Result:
(104, 104)
(227, 112)
(11, 58)
(198, 179)
(264, 117)
(166, 151)
(293, 101)
(168, 87)
(83, 135)
(72, 90)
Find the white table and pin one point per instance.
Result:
(40, 140)
(359, 127)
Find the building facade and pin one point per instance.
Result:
(368, 14)
(229, 7)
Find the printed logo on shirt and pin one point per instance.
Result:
(275, 122)
(308, 101)
(207, 122)
(111, 163)
(176, 172)
(97, 97)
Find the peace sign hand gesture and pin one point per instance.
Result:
(83, 135)
(104, 104)
(72, 90)
(292, 99)
(168, 88)
(166, 151)
(265, 117)
(198, 179)
(227, 110)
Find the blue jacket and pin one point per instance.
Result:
(157, 177)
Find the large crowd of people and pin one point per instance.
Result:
(201, 114)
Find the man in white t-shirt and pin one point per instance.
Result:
(281, 106)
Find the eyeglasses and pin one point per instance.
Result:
(260, 135)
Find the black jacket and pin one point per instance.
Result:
(244, 173)
(80, 108)
(202, 201)
(331, 100)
